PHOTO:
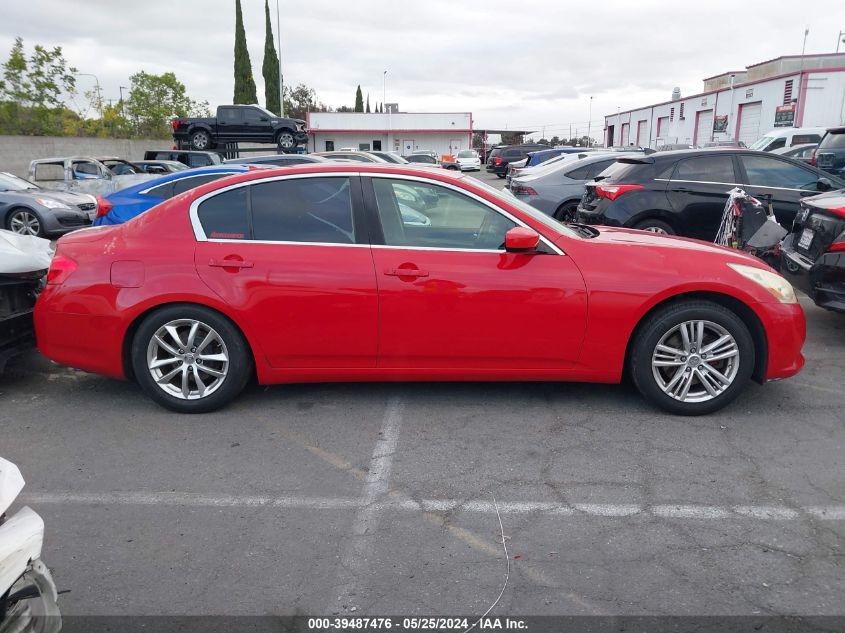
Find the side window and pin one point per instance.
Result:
(82, 169)
(770, 172)
(229, 115)
(303, 210)
(163, 192)
(224, 216)
(49, 172)
(419, 214)
(776, 144)
(364, 147)
(186, 184)
(599, 167)
(329, 146)
(802, 139)
(198, 160)
(252, 115)
(706, 169)
(582, 173)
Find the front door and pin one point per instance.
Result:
(450, 297)
(408, 146)
(290, 256)
(784, 182)
(698, 191)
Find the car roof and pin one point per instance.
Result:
(242, 160)
(158, 161)
(187, 173)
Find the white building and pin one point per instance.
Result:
(790, 91)
(401, 132)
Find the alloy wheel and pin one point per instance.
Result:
(187, 359)
(25, 223)
(286, 140)
(695, 361)
(200, 140)
(656, 229)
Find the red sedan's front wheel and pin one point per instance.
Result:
(692, 357)
(190, 359)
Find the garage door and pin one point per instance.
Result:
(703, 126)
(662, 127)
(641, 134)
(749, 122)
(626, 132)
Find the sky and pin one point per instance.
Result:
(530, 65)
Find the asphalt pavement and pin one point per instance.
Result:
(386, 498)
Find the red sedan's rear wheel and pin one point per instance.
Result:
(692, 357)
(190, 359)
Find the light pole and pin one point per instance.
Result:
(279, 46)
(383, 106)
(839, 40)
(99, 92)
(122, 102)
(590, 121)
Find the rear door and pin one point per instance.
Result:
(698, 191)
(783, 181)
(229, 123)
(291, 256)
(749, 122)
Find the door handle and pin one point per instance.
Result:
(406, 272)
(230, 263)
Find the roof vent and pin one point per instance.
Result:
(676, 94)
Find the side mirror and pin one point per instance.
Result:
(264, 118)
(824, 184)
(521, 240)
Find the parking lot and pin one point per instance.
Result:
(382, 498)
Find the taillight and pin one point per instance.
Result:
(103, 206)
(174, 124)
(498, 160)
(60, 269)
(523, 190)
(813, 157)
(611, 192)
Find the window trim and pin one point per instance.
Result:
(223, 174)
(199, 232)
(717, 155)
(788, 160)
(374, 221)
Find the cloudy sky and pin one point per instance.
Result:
(523, 65)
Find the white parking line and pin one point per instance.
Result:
(357, 552)
(369, 504)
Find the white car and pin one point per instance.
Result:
(468, 160)
(25, 582)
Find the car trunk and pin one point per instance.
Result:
(622, 170)
(816, 228)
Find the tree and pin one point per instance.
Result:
(511, 138)
(368, 102)
(302, 99)
(154, 100)
(554, 141)
(359, 100)
(244, 83)
(345, 109)
(270, 67)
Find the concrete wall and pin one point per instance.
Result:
(17, 151)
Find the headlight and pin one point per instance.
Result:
(780, 288)
(51, 204)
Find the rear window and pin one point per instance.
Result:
(803, 139)
(620, 171)
(833, 140)
(224, 216)
(514, 152)
(496, 152)
(185, 184)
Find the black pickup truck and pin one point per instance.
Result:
(240, 123)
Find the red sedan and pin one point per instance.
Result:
(353, 273)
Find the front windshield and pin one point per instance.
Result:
(8, 182)
(527, 209)
(466, 154)
(762, 142)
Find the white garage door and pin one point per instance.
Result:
(749, 122)
(703, 127)
(662, 127)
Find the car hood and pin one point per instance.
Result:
(655, 241)
(23, 253)
(11, 483)
(65, 197)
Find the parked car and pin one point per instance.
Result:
(723, 143)
(159, 166)
(118, 166)
(830, 154)
(674, 147)
(24, 260)
(468, 160)
(501, 157)
(279, 160)
(78, 173)
(557, 192)
(423, 159)
(186, 157)
(240, 123)
(787, 137)
(541, 156)
(247, 276)
(519, 169)
(812, 254)
(121, 206)
(27, 209)
(685, 192)
(28, 595)
(390, 157)
(351, 155)
(804, 153)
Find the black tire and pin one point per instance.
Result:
(286, 141)
(237, 371)
(25, 221)
(566, 212)
(655, 226)
(663, 321)
(452, 167)
(201, 140)
(500, 175)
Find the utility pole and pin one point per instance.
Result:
(590, 121)
(279, 46)
(122, 102)
(839, 40)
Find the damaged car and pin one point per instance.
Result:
(27, 209)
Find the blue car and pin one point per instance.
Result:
(121, 206)
(535, 158)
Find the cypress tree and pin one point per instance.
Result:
(270, 67)
(359, 98)
(244, 83)
(368, 102)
